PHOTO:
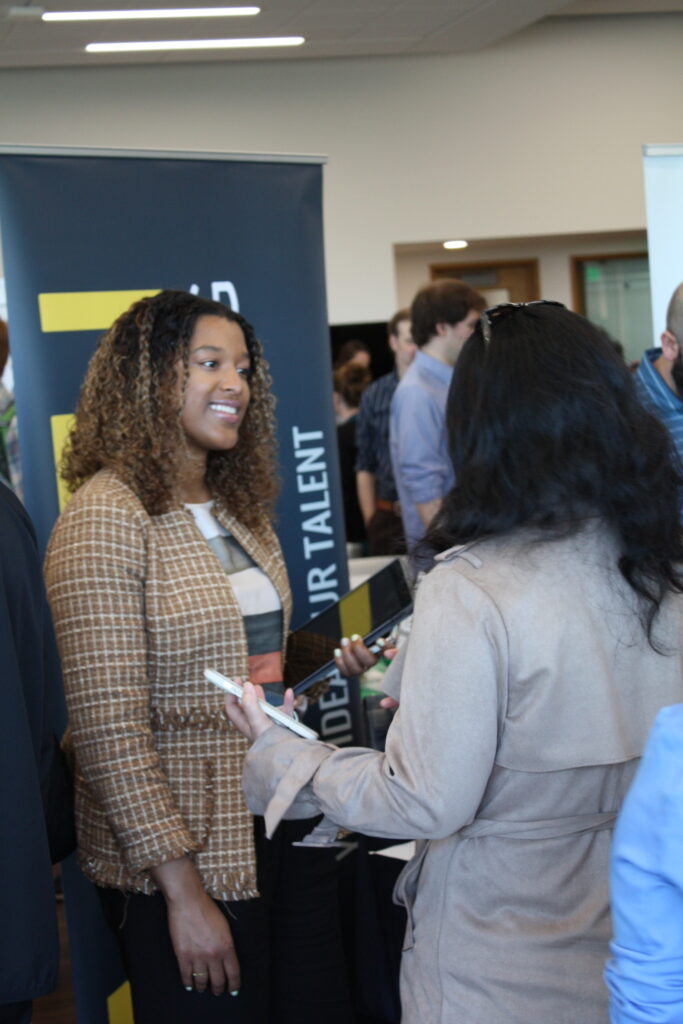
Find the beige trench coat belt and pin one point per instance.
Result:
(548, 828)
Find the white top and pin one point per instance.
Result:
(253, 591)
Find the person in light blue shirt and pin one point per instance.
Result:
(659, 377)
(645, 974)
(443, 316)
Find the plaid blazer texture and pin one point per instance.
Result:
(141, 606)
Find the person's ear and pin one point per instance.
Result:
(670, 346)
(393, 343)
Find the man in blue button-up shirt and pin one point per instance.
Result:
(443, 315)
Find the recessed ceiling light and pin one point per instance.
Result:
(458, 243)
(161, 12)
(194, 44)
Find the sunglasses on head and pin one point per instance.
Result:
(489, 316)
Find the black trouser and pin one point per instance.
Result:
(385, 533)
(287, 943)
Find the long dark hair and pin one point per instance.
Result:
(128, 414)
(544, 430)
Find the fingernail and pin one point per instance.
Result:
(355, 638)
(344, 641)
(337, 652)
(381, 642)
(189, 988)
(235, 993)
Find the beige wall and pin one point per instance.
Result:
(539, 135)
(553, 255)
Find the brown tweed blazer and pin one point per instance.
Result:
(141, 606)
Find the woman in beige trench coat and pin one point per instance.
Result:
(544, 640)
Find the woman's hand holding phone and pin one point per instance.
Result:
(247, 716)
(353, 657)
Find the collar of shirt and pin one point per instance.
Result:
(428, 364)
(659, 391)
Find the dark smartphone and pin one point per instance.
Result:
(370, 610)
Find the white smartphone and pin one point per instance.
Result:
(230, 686)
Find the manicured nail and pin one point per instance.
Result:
(337, 652)
(355, 638)
(344, 641)
(235, 993)
(381, 642)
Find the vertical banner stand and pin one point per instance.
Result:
(87, 232)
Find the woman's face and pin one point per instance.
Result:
(217, 393)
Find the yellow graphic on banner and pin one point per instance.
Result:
(60, 426)
(85, 311)
(354, 612)
(120, 1005)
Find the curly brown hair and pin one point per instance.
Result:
(128, 412)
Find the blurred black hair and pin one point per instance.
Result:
(545, 429)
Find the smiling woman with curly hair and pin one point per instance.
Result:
(165, 563)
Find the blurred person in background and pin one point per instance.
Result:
(36, 792)
(353, 351)
(350, 381)
(659, 374)
(10, 466)
(443, 316)
(375, 485)
(645, 974)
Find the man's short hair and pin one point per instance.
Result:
(397, 318)
(674, 315)
(442, 302)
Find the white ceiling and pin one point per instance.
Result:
(332, 28)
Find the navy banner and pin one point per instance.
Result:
(84, 234)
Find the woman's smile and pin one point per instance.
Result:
(226, 410)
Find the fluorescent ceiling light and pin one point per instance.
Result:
(161, 12)
(459, 243)
(194, 44)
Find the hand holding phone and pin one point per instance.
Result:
(353, 656)
(370, 610)
(230, 686)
